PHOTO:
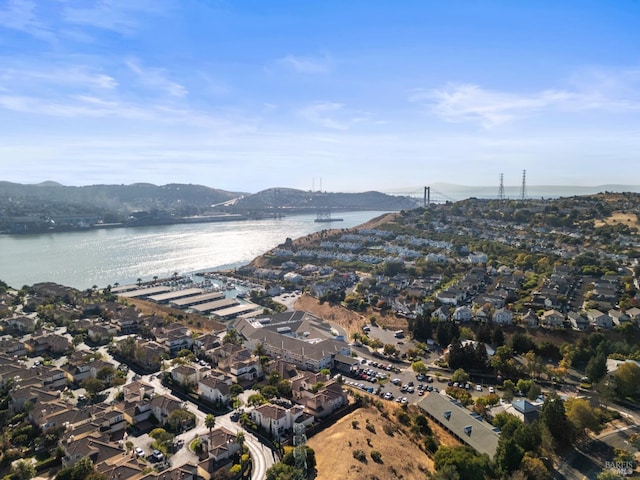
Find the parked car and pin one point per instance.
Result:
(492, 390)
(139, 452)
(157, 455)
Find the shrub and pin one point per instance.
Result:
(371, 427)
(360, 455)
(376, 456)
(403, 417)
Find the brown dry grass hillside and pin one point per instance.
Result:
(626, 218)
(198, 323)
(349, 320)
(401, 457)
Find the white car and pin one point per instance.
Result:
(139, 452)
(492, 390)
(478, 388)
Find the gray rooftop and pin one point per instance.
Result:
(475, 432)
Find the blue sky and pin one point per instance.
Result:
(359, 95)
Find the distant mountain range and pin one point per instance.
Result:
(121, 198)
(180, 199)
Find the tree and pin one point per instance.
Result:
(419, 367)
(82, 468)
(597, 368)
(105, 373)
(581, 415)
(484, 333)
(389, 349)
(534, 391)
(498, 337)
(259, 350)
(210, 421)
(555, 419)
(447, 472)
(509, 388)
(469, 464)
(627, 378)
(284, 389)
(508, 455)
(23, 470)
(256, 399)
(232, 337)
(163, 439)
(181, 419)
(460, 376)
(269, 391)
(235, 389)
(282, 471)
(534, 364)
(534, 468)
(92, 386)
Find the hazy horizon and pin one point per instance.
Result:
(338, 96)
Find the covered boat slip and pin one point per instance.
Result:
(175, 295)
(197, 300)
(217, 305)
(145, 292)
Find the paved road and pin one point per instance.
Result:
(262, 457)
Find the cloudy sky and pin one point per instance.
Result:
(348, 95)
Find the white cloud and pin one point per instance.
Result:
(332, 115)
(78, 76)
(20, 15)
(614, 92)
(457, 103)
(308, 65)
(155, 78)
(122, 16)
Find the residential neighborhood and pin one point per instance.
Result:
(464, 317)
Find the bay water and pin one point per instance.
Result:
(104, 257)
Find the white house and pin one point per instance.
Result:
(502, 316)
(276, 419)
(552, 319)
(599, 319)
(463, 314)
(214, 389)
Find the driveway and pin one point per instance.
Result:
(262, 457)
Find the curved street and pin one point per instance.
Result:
(262, 457)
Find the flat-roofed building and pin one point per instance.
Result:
(463, 424)
(232, 312)
(197, 299)
(145, 292)
(175, 295)
(217, 305)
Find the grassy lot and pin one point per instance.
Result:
(400, 455)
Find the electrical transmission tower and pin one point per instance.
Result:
(523, 194)
(300, 451)
(501, 189)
